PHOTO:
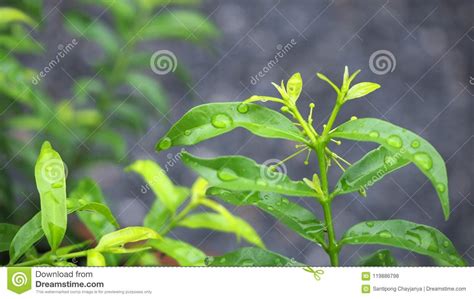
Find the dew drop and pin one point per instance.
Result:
(445, 244)
(57, 185)
(440, 187)
(227, 175)
(395, 141)
(221, 121)
(385, 234)
(243, 108)
(370, 223)
(187, 132)
(208, 260)
(165, 143)
(415, 143)
(374, 134)
(285, 201)
(424, 160)
(353, 117)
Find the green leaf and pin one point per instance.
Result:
(294, 86)
(210, 120)
(404, 143)
(252, 257)
(50, 178)
(222, 223)
(26, 237)
(168, 194)
(10, 15)
(368, 170)
(382, 257)
(184, 253)
(119, 238)
(361, 89)
(7, 233)
(95, 259)
(243, 174)
(179, 24)
(149, 89)
(93, 30)
(297, 218)
(404, 234)
(326, 79)
(86, 197)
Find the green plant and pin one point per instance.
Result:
(239, 180)
(109, 241)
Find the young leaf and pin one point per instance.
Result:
(51, 184)
(294, 86)
(126, 235)
(297, 218)
(184, 253)
(326, 79)
(210, 120)
(27, 236)
(382, 258)
(404, 234)
(361, 89)
(252, 257)
(9, 15)
(368, 170)
(179, 24)
(95, 259)
(405, 144)
(7, 233)
(221, 223)
(168, 194)
(86, 197)
(243, 174)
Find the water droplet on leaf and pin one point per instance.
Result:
(415, 143)
(440, 187)
(385, 234)
(374, 134)
(395, 141)
(165, 143)
(187, 132)
(424, 160)
(227, 174)
(370, 223)
(221, 121)
(243, 108)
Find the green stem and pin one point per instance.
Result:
(319, 143)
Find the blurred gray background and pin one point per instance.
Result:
(428, 89)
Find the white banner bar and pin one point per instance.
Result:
(228, 283)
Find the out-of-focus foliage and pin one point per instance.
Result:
(114, 100)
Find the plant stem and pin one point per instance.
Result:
(319, 143)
